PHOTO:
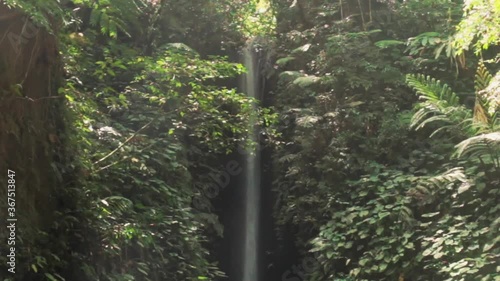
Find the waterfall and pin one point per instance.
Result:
(252, 178)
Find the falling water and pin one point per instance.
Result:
(252, 181)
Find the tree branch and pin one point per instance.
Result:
(131, 137)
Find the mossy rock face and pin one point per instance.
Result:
(28, 65)
(29, 115)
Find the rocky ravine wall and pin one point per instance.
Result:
(30, 133)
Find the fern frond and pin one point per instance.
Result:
(480, 114)
(421, 117)
(495, 122)
(428, 188)
(441, 105)
(485, 146)
(284, 61)
(306, 81)
(483, 77)
(447, 179)
(432, 89)
(481, 81)
(491, 94)
(95, 17)
(289, 75)
(117, 204)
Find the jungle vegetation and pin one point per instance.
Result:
(382, 118)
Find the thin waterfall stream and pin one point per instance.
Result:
(252, 178)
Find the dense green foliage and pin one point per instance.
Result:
(147, 121)
(386, 137)
(379, 191)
